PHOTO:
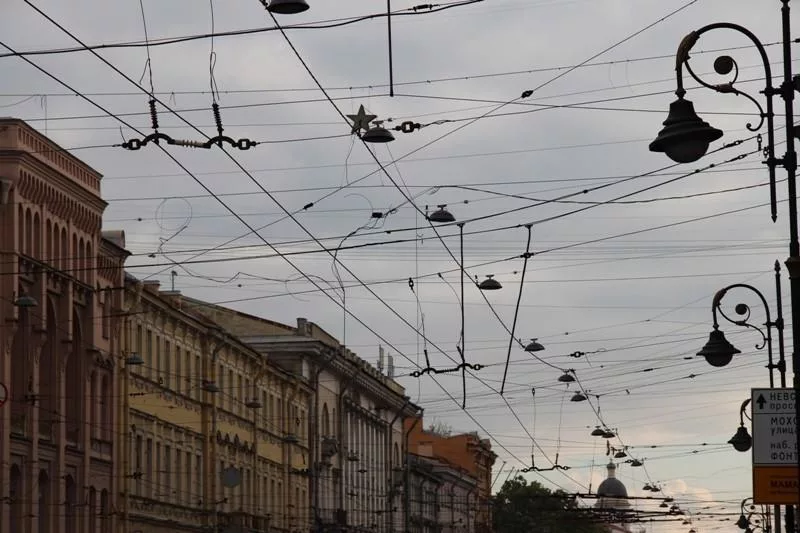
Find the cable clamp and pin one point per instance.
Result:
(408, 126)
(133, 144)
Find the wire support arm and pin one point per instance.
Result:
(527, 255)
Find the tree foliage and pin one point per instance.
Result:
(441, 429)
(522, 507)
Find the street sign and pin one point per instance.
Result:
(3, 394)
(774, 446)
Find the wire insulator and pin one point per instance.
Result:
(188, 143)
(217, 117)
(153, 114)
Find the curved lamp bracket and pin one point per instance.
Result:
(744, 312)
(725, 65)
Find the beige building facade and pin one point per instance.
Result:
(214, 433)
(356, 420)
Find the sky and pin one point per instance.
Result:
(627, 248)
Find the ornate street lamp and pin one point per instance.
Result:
(719, 352)
(685, 138)
(742, 441)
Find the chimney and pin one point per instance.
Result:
(380, 359)
(151, 286)
(173, 297)
(390, 367)
(303, 327)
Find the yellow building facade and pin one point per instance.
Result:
(212, 433)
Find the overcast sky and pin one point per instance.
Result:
(627, 283)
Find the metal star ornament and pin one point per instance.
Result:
(361, 120)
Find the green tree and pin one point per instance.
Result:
(522, 507)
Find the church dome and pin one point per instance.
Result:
(612, 492)
(612, 488)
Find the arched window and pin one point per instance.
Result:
(93, 418)
(70, 514)
(81, 254)
(63, 261)
(92, 510)
(48, 239)
(105, 512)
(15, 499)
(74, 392)
(28, 232)
(105, 408)
(396, 455)
(21, 229)
(89, 262)
(326, 423)
(46, 399)
(74, 256)
(44, 502)
(37, 237)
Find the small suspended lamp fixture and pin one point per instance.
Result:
(566, 377)
(534, 346)
(597, 432)
(285, 7)
(718, 351)
(134, 359)
(608, 434)
(253, 403)
(490, 284)
(26, 302)
(620, 454)
(377, 134)
(578, 397)
(441, 215)
(210, 386)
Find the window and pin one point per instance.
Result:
(168, 473)
(179, 476)
(167, 365)
(232, 392)
(178, 370)
(159, 471)
(148, 461)
(138, 470)
(105, 318)
(148, 357)
(272, 497)
(198, 369)
(189, 493)
(198, 467)
(241, 393)
(158, 365)
(139, 344)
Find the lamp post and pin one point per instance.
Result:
(718, 351)
(685, 138)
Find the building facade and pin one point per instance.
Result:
(214, 433)
(441, 497)
(60, 304)
(356, 422)
(468, 456)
